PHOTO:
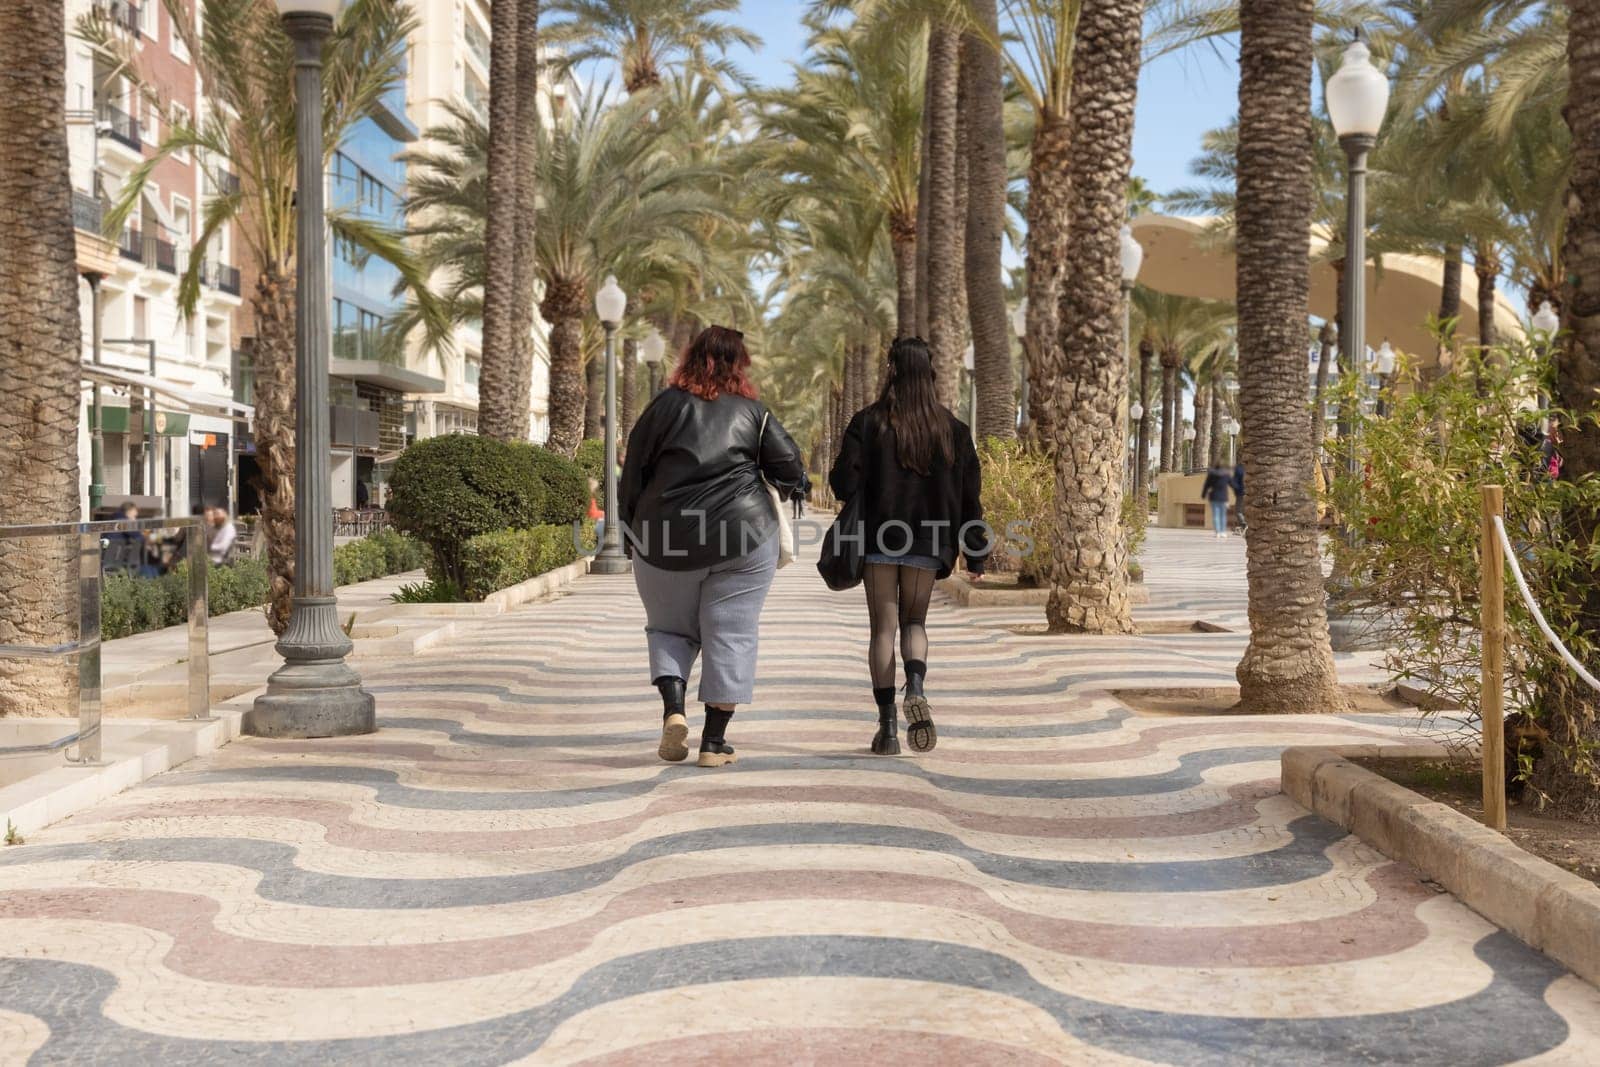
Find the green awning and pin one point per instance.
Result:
(115, 420)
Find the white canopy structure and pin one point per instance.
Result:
(191, 400)
(1194, 257)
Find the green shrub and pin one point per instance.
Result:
(447, 490)
(503, 558)
(566, 489)
(133, 605)
(427, 592)
(1019, 494)
(591, 458)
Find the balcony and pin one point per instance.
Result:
(161, 254)
(123, 14)
(88, 213)
(220, 276)
(352, 427)
(131, 244)
(221, 182)
(153, 251)
(120, 126)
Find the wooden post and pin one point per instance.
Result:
(1491, 697)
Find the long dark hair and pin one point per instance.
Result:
(911, 405)
(716, 362)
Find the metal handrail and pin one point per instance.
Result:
(88, 645)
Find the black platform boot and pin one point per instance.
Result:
(920, 734)
(674, 725)
(714, 748)
(886, 742)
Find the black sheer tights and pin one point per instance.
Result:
(896, 597)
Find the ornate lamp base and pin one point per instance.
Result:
(611, 562)
(315, 693)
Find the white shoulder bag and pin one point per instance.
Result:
(786, 535)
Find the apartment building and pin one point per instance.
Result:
(450, 61)
(172, 448)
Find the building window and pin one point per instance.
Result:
(357, 333)
(473, 369)
(147, 18)
(179, 48)
(181, 119)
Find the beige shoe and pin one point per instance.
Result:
(718, 755)
(674, 739)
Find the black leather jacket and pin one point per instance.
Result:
(691, 493)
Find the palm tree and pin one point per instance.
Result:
(611, 194)
(499, 407)
(1569, 778)
(1179, 327)
(940, 155)
(1040, 58)
(987, 315)
(1089, 590)
(848, 130)
(645, 37)
(245, 65)
(526, 274)
(1288, 664)
(40, 346)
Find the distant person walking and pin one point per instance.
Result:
(914, 467)
(1215, 489)
(1237, 483)
(220, 534)
(698, 520)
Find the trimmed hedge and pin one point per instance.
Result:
(447, 490)
(592, 458)
(132, 605)
(504, 558)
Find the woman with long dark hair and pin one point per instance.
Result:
(702, 530)
(912, 464)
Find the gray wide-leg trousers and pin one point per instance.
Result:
(714, 612)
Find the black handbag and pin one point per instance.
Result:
(843, 548)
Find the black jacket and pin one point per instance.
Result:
(1215, 488)
(935, 508)
(691, 493)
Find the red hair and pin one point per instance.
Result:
(716, 362)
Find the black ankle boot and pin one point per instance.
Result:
(714, 748)
(886, 741)
(920, 734)
(674, 746)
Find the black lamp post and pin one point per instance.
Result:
(315, 693)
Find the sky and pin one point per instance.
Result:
(1180, 96)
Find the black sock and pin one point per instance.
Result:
(916, 668)
(883, 695)
(716, 726)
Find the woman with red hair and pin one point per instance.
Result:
(701, 528)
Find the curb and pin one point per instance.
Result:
(968, 595)
(1548, 908)
(154, 747)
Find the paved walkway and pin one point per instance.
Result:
(506, 872)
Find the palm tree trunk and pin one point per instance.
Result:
(627, 375)
(497, 380)
(1450, 294)
(40, 346)
(903, 240)
(563, 307)
(527, 256)
(1089, 582)
(925, 199)
(1568, 776)
(1486, 265)
(987, 316)
(1049, 186)
(1169, 409)
(1319, 393)
(594, 399)
(944, 264)
(274, 433)
(1217, 454)
(1202, 428)
(1141, 450)
(1288, 664)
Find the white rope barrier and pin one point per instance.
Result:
(1538, 616)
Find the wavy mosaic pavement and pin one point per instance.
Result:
(505, 873)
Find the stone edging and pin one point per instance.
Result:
(1551, 909)
(497, 603)
(966, 594)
